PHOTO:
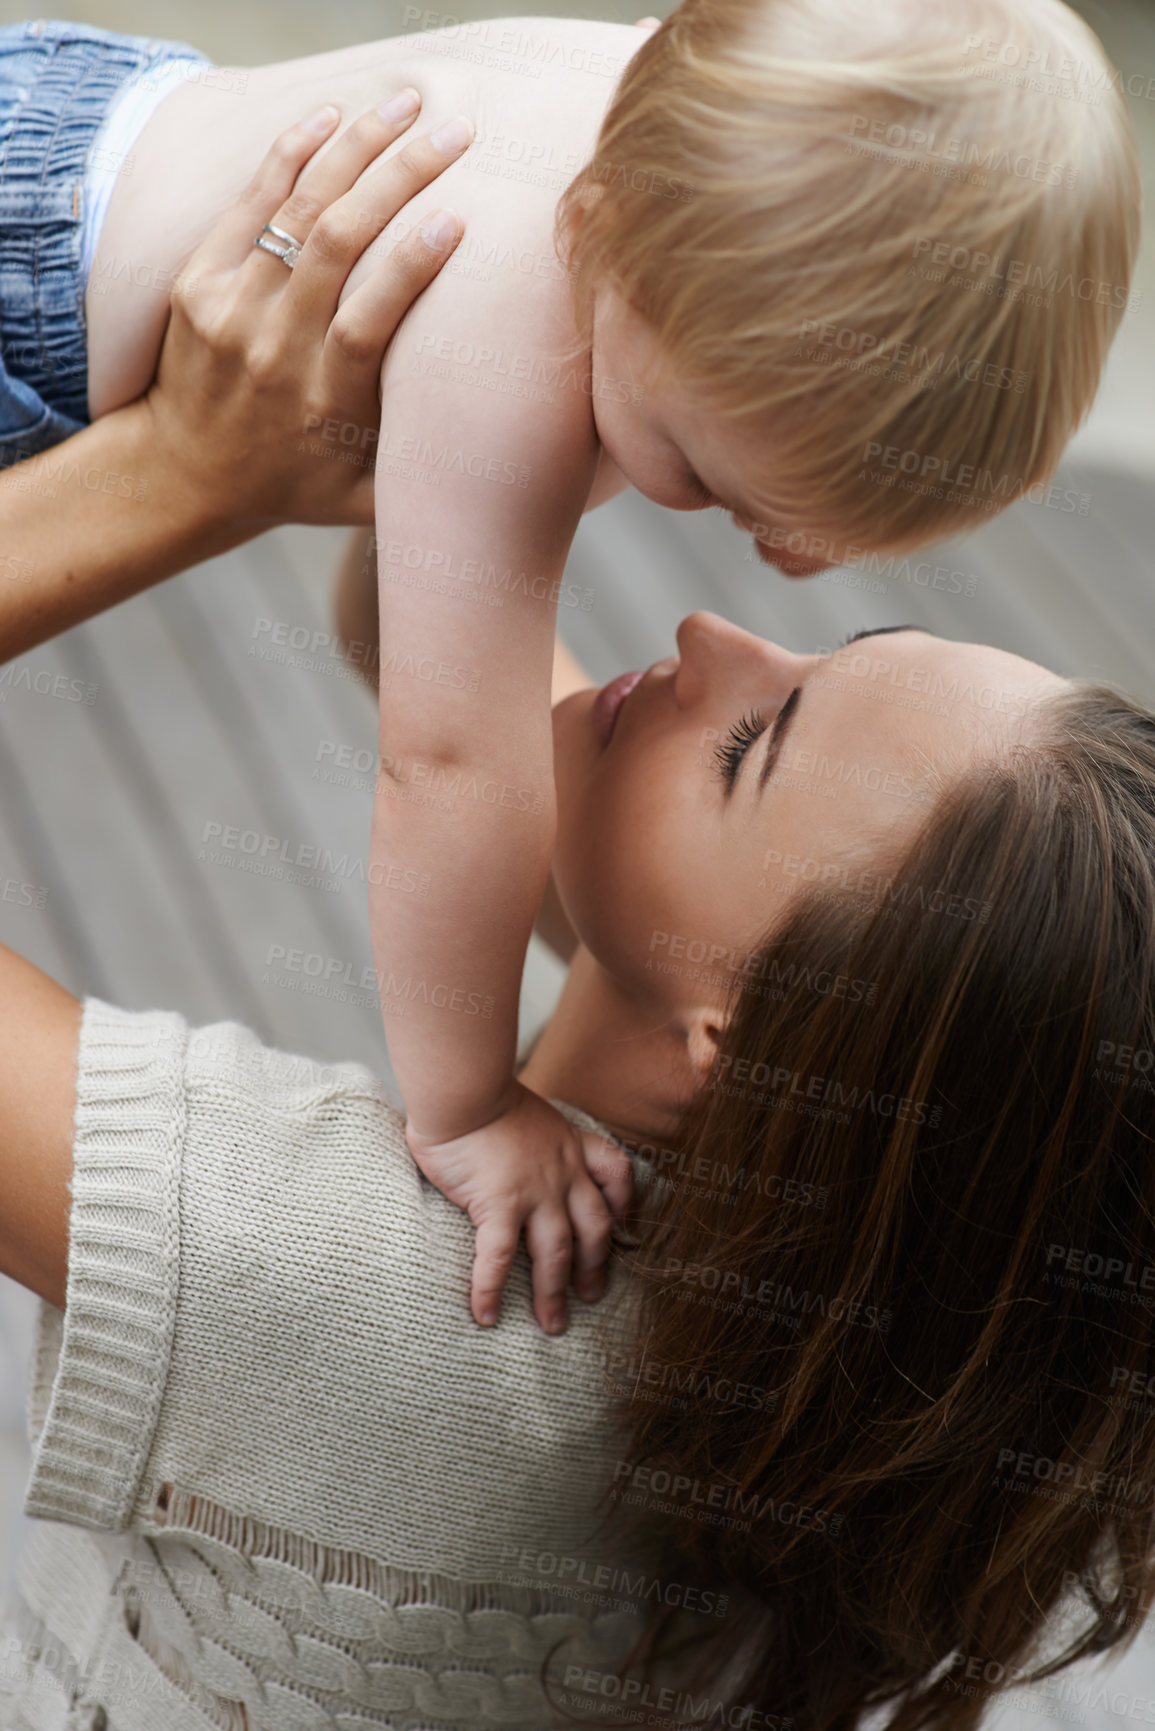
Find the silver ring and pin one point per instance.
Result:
(289, 240)
(288, 254)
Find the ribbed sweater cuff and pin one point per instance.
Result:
(123, 1270)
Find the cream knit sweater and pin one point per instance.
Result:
(285, 1482)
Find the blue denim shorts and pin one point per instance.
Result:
(57, 83)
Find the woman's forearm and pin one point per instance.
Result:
(95, 520)
(38, 1037)
(254, 357)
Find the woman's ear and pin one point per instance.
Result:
(703, 1039)
(662, 1069)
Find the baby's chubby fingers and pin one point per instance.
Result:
(549, 1241)
(592, 1228)
(612, 1171)
(494, 1250)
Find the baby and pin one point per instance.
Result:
(848, 269)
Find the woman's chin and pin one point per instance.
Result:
(573, 738)
(574, 752)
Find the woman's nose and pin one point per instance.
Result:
(716, 657)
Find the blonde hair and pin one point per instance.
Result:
(896, 238)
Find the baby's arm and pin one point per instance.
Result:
(478, 496)
(355, 606)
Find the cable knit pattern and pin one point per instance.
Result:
(285, 1484)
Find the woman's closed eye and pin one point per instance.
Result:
(729, 754)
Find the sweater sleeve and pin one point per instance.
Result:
(99, 1367)
(268, 1316)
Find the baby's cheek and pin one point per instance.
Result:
(609, 481)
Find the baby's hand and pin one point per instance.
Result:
(530, 1167)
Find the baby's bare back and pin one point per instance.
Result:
(498, 316)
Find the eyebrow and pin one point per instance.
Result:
(789, 710)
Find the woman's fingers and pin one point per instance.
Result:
(258, 382)
(341, 167)
(421, 161)
(341, 234)
(323, 205)
(365, 324)
(230, 240)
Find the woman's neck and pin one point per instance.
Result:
(600, 1051)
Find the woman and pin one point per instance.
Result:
(864, 992)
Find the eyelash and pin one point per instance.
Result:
(728, 756)
(702, 494)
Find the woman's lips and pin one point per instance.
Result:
(607, 703)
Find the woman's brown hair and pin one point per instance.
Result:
(921, 1229)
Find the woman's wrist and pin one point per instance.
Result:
(192, 483)
(98, 519)
(217, 451)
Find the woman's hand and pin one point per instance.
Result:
(267, 393)
(256, 360)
